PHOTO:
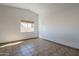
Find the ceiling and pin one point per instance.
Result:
(40, 8)
(35, 7)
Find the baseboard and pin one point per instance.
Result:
(61, 44)
(18, 40)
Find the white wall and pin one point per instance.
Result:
(60, 23)
(10, 23)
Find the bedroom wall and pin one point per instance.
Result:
(60, 23)
(10, 23)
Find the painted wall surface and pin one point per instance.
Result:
(10, 23)
(60, 23)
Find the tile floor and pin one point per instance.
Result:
(36, 47)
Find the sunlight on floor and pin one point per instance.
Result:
(11, 44)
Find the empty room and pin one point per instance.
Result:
(39, 29)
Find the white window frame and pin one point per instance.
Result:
(28, 28)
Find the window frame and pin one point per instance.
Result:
(25, 21)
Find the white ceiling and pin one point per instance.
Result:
(35, 7)
(39, 8)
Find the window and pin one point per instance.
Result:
(27, 26)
